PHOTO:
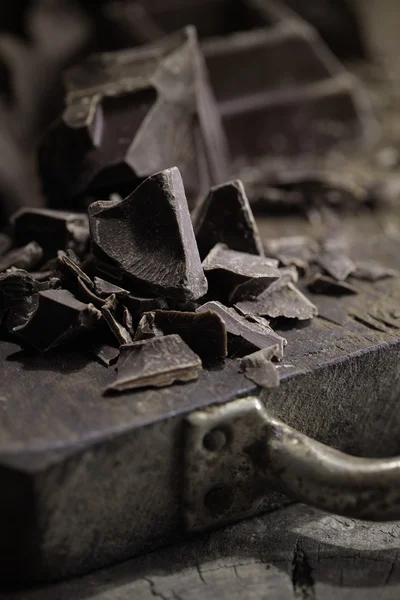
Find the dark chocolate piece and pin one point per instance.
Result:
(53, 230)
(85, 293)
(14, 286)
(337, 264)
(149, 238)
(244, 336)
(72, 271)
(138, 306)
(225, 217)
(105, 354)
(120, 332)
(156, 362)
(234, 276)
(127, 321)
(286, 301)
(322, 284)
(21, 312)
(258, 367)
(370, 270)
(23, 258)
(59, 317)
(203, 332)
(105, 288)
(292, 250)
(132, 113)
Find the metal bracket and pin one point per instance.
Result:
(237, 454)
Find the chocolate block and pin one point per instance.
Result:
(132, 113)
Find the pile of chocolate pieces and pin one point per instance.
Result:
(156, 280)
(147, 287)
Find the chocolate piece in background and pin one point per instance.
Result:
(25, 257)
(234, 276)
(53, 230)
(155, 362)
(131, 113)
(20, 313)
(58, 318)
(370, 270)
(295, 250)
(336, 264)
(225, 216)
(148, 238)
(14, 286)
(322, 284)
(244, 336)
(275, 302)
(258, 367)
(5, 243)
(203, 332)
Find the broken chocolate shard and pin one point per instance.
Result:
(54, 230)
(258, 367)
(337, 264)
(25, 257)
(138, 306)
(72, 271)
(287, 302)
(14, 286)
(204, 332)
(146, 328)
(21, 312)
(244, 336)
(58, 318)
(322, 284)
(149, 238)
(120, 332)
(370, 270)
(105, 354)
(155, 362)
(105, 288)
(234, 276)
(127, 321)
(292, 250)
(225, 217)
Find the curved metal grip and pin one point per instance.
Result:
(316, 474)
(238, 454)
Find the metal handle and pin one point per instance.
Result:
(237, 454)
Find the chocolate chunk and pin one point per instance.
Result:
(108, 311)
(138, 306)
(244, 336)
(234, 276)
(23, 258)
(149, 238)
(258, 367)
(131, 113)
(105, 354)
(336, 264)
(156, 362)
(127, 321)
(14, 286)
(105, 288)
(58, 318)
(292, 250)
(225, 217)
(53, 230)
(21, 312)
(286, 301)
(72, 271)
(322, 284)
(370, 270)
(203, 332)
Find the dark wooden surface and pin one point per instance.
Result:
(292, 553)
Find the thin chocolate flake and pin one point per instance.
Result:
(122, 335)
(72, 271)
(23, 258)
(234, 276)
(58, 318)
(258, 367)
(105, 288)
(244, 336)
(52, 229)
(105, 354)
(127, 321)
(370, 270)
(322, 284)
(155, 362)
(203, 332)
(286, 302)
(149, 238)
(86, 294)
(336, 264)
(292, 250)
(225, 217)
